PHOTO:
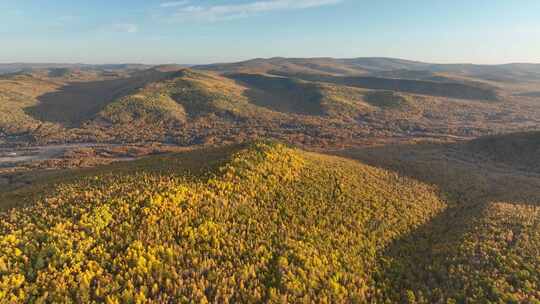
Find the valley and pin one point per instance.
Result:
(301, 101)
(270, 151)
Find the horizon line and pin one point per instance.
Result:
(261, 58)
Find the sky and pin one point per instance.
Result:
(206, 31)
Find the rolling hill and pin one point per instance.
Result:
(77, 102)
(10, 68)
(520, 150)
(483, 246)
(314, 102)
(263, 222)
(530, 94)
(320, 66)
(362, 66)
(449, 89)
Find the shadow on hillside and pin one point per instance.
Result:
(420, 259)
(281, 94)
(77, 102)
(458, 90)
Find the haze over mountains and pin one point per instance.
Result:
(352, 66)
(9, 68)
(362, 66)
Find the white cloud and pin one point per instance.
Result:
(174, 3)
(124, 28)
(241, 10)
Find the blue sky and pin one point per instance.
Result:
(202, 31)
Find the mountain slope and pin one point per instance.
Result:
(187, 107)
(321, 66)
(18, 93)
(211, 104)
(515, 72)
(452, 89)
(75, 103)
(272, 224)
(482, 248)
(266, 223)
(369, 73)
(7, 68)
(521, 150)
(283, 94)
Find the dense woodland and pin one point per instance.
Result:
(268, 223)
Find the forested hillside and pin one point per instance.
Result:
(271, 224)
(267, 223)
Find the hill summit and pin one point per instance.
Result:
(267, 224)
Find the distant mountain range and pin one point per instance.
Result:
(374, 65)
(9, 68)
(316, 101)
(323, 65)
